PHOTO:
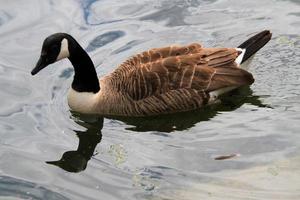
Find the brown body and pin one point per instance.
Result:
(167, 80)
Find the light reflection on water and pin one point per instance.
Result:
(168, 157)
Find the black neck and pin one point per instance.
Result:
(85, 78)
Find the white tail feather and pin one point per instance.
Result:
(246, 64)
(239, 59)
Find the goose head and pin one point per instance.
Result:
(62, 45)
(55, 47)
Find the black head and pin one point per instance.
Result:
(71, 161)
(55, 47)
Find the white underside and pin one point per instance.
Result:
(215, 94)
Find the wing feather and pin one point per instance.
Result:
(174, 74)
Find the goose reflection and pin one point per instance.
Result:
(76, 161)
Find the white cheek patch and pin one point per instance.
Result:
(64, 50)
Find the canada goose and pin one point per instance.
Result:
(159, 81)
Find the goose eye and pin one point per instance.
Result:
(53, 48)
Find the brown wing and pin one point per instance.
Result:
(163, 70)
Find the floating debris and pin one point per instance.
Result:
(118, 152)
(273, 170)
(225, 157)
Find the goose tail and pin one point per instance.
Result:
(247, 49)
(251, 46)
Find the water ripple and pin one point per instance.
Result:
(104, 39)
(167, 157)
(12, 187)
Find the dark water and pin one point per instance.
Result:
(47, 152)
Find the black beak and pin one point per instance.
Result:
(53, 162)
(41, 64)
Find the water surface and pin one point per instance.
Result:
(47, 152)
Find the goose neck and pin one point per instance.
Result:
(85, 77)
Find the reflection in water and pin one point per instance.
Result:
(76, 161)
(104, 39)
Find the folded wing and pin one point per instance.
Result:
(180, 68)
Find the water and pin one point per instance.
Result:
(47, 152)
